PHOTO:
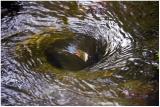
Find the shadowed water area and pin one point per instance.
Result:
(79, 53)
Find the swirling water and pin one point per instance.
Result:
(125, 74)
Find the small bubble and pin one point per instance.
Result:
(141, 71)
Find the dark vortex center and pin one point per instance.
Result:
(74, 53)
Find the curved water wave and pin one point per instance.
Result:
(118, 43)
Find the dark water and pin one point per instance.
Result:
(43, 45)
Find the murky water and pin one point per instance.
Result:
(80, 53)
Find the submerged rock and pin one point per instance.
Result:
(72, 53)
(65, 56)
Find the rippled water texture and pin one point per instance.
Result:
(79, 53)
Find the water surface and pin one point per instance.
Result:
(120, 40)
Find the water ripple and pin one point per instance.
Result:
(125, 74)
